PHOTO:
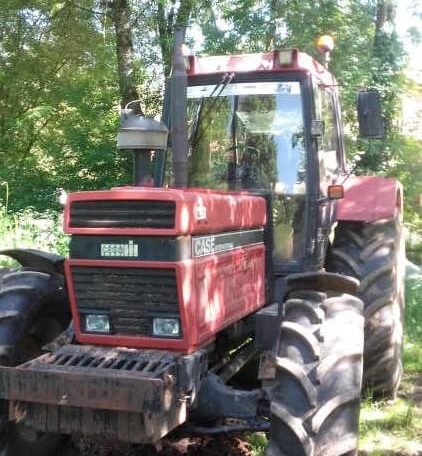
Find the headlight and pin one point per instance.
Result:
(97, 323)
(166, 327)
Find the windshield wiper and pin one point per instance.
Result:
(193, 136)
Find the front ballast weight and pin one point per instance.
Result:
(135, 396)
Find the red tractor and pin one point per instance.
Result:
(235, 298)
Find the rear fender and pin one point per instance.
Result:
(36, 259)
(370, 198)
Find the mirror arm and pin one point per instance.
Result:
(349, 173)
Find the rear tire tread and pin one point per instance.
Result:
(376, 260)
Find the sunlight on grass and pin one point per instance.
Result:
(387, 428)
(412, 356)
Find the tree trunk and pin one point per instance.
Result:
(165, 31)
(183, 14)
(385, 13)
(124, 50)
(166, 23)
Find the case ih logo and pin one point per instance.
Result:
(203, 246)
(223, 242)
(129, 250)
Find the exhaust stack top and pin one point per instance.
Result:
(140, 135)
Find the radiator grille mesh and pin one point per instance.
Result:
(130, 296)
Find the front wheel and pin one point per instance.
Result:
(33, 311)
(315, 398)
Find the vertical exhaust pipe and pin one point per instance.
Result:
(178, 106)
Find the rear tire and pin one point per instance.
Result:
(315, 399)
(33, 311)
(374, 254)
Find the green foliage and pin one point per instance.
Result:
(258, 443)
(59, 83)
(58, 113)
(57, 110)
(406, 166)
(31, 229)
(412, 355)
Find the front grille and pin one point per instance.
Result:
(130, 296)
(122, 214)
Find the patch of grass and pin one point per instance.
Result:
(31, 229)
(258, 442)
(412, 355)
(390, 428)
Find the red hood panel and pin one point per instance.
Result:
(198, 211)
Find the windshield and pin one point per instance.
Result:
(247, 136)
(251, 136)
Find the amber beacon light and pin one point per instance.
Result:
(325, 45)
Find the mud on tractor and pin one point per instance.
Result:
(254, 291)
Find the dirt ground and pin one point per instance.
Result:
(235, 445)
(217, 446)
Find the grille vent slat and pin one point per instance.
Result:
(129, 296)
(122, 214)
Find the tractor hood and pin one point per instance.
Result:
(162, 212)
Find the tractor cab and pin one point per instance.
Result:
(268, 123)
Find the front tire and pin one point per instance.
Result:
(33, 311)
(315, 399)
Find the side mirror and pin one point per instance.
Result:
(317, 128)
(371, 123)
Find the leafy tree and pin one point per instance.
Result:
(61, 79)
(57, 93)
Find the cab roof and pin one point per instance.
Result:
(279, 61)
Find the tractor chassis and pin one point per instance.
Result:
(139, 396)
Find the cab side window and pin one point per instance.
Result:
(329, 144)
